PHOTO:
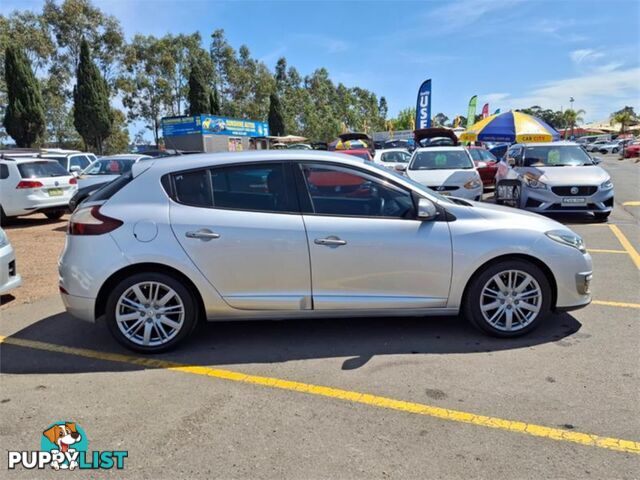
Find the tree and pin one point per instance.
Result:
(405, 120)
(214, 101)
(199, 94)
(624, 117)
(118, 140)
(92, 114)
(276, 121)
(440, 119)
(572, 117)
(24, 115)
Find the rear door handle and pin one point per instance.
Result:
(203, 234)
(330, 241)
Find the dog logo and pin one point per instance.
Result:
(64, 446)
(63, 437)
(574, 190)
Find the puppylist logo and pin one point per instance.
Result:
(64, 446)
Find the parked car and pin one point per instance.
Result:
(109, 168)
(614, 146)
(447, 170)
(73, 161)
(595, 146)
(209, 242)
(632, 150)
(557, 177)
(486, 164)
(9, 278)
(391, 157)
(34, 185)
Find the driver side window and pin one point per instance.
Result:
(336, 190)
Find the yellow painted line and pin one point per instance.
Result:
(587, 439)
(616, 304)
(626, 244)
(631, 204)
(604, 250)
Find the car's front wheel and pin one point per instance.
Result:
(508, 299)
(150, 312)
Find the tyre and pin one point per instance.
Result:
(508, 299)
(150, 312)
(3, 218)
(601, 216)
(54, 214)
(615, 150)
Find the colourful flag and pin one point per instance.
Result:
(485, 110)
(471, 113)
(456, 121)
(423, 106)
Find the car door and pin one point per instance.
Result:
(367, 248)
(242, 228)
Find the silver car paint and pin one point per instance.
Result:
(480, 233)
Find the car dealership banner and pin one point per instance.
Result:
(485, 110)
(212, 124)
(423, 105)
(471, 113)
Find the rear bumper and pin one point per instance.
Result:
(41, 206)
(9, 278)
(79, 307)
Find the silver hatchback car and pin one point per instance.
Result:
(283, 234)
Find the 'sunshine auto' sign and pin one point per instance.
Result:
(212, 124)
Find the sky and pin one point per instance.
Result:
(511, 53)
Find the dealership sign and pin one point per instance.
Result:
(212, 124)
(423, 106)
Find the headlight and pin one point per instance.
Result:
(471, 184)
(608, 185)
(567, 238)
(533, 182)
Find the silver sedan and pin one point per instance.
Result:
(305, 234)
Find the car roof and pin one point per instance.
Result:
(25, 159)
(441, 148)
(202, 160)
(125, 156)
(394, 149)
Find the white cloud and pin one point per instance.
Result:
(585, 55)
(328, 44)
(493, 97)
(454, 15)
(597, 93)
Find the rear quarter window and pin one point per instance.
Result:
(111, 188)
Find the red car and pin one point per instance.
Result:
(486, 164)
(361, 152)
(632, 150)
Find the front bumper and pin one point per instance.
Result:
(460, 192)
(546, 201)
(9, 278)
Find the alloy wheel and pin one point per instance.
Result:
(150, 314)
(511, 300)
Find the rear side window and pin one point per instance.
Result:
(4, 171)
(79, 161)
(193, 188)
(41, 169)
(260, 187)
(111, 188)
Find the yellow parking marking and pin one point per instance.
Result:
(626, 244)
(587, 439)
(631, 204)
(616, 304)
(604, 250)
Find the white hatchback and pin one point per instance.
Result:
(391, 157)
(9, 278)
(448, 170)
(34, 185)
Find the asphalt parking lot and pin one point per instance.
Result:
(353, 398)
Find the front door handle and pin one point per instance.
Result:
(203, 234)
(330, 241)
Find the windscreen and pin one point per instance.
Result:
(441, 160)
(41, 169)
(109, 166)
(556, 156)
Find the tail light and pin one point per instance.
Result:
(73, 181)
(29, 184)
(89, 221)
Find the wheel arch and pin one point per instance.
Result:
(147, 267)
(517, 256)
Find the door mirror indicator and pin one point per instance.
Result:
(426, 209)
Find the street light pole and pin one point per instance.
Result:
(571, 100)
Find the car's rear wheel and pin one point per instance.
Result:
(150, 312)
(508, 299)
(615, 150)
(54, 214)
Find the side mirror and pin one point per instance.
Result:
(400, 167)
(481, 165)
(597, 160)
(426, 209)
(75, 170)
(511, 161)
